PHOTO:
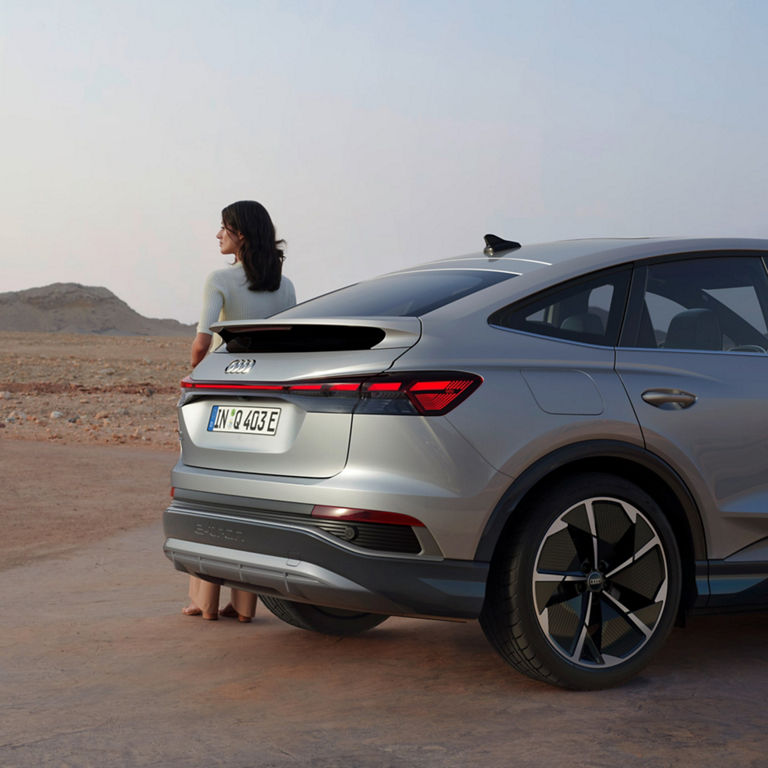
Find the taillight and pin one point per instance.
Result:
(411, 393)
(439, 396)
(303, 388)
(425, 394)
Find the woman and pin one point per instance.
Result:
(251, 287)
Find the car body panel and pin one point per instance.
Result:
(520, 372)
(402, 476)
(719, 444)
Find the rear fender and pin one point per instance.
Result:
(566, 459)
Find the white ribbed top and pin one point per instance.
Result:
(226, 297)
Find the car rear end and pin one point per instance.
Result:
(312, 466)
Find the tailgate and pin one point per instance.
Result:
(253, 405)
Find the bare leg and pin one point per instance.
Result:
(204, 597)
(244, 603)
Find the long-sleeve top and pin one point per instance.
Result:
(226, 297)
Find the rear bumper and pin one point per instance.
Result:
(303, 565)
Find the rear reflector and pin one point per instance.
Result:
(344, 514)
(422, 393)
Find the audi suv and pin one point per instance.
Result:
(566, 441)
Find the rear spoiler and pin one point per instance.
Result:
(326, 335)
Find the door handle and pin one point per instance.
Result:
(668, 399)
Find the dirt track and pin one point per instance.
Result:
(99, 668)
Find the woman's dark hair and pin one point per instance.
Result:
(261, 253)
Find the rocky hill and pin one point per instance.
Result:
(75, 308)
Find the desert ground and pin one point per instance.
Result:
(87, 388)
(99, 668)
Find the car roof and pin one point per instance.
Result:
(541, 265)
(591, 253)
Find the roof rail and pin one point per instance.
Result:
(494, 244)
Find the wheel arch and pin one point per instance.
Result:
(625, 460)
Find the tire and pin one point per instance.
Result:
(318, 618)
(585, 588)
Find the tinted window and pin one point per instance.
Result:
(716, 304)
(588, 310)
(407, 294)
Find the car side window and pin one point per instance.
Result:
(709, 303)
(588, 310)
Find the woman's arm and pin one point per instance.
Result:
(213, 301)
(200, 347)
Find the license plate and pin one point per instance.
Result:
(244, 420)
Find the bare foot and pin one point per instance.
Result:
(229, 612)
(191, 610)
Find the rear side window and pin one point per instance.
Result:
(719, 304)
(407, 294)
(588, 310)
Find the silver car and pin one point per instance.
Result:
(566, 440)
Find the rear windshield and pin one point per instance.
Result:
(406, 294)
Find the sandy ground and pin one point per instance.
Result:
(82, 390)
(91, 389)
(99, 668)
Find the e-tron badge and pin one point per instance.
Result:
(239, 366)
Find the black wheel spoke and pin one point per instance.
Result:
(632, 560)
(637, 618)
(564, 622)
(554, 588)
(592, 650)
(582, 637)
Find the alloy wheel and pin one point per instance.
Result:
(600, 582)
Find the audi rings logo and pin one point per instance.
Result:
(239, 366)
(595, 581)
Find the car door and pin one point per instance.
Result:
(693, 360)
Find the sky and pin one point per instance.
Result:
(378, 133)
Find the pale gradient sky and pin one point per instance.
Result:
(378, 134)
